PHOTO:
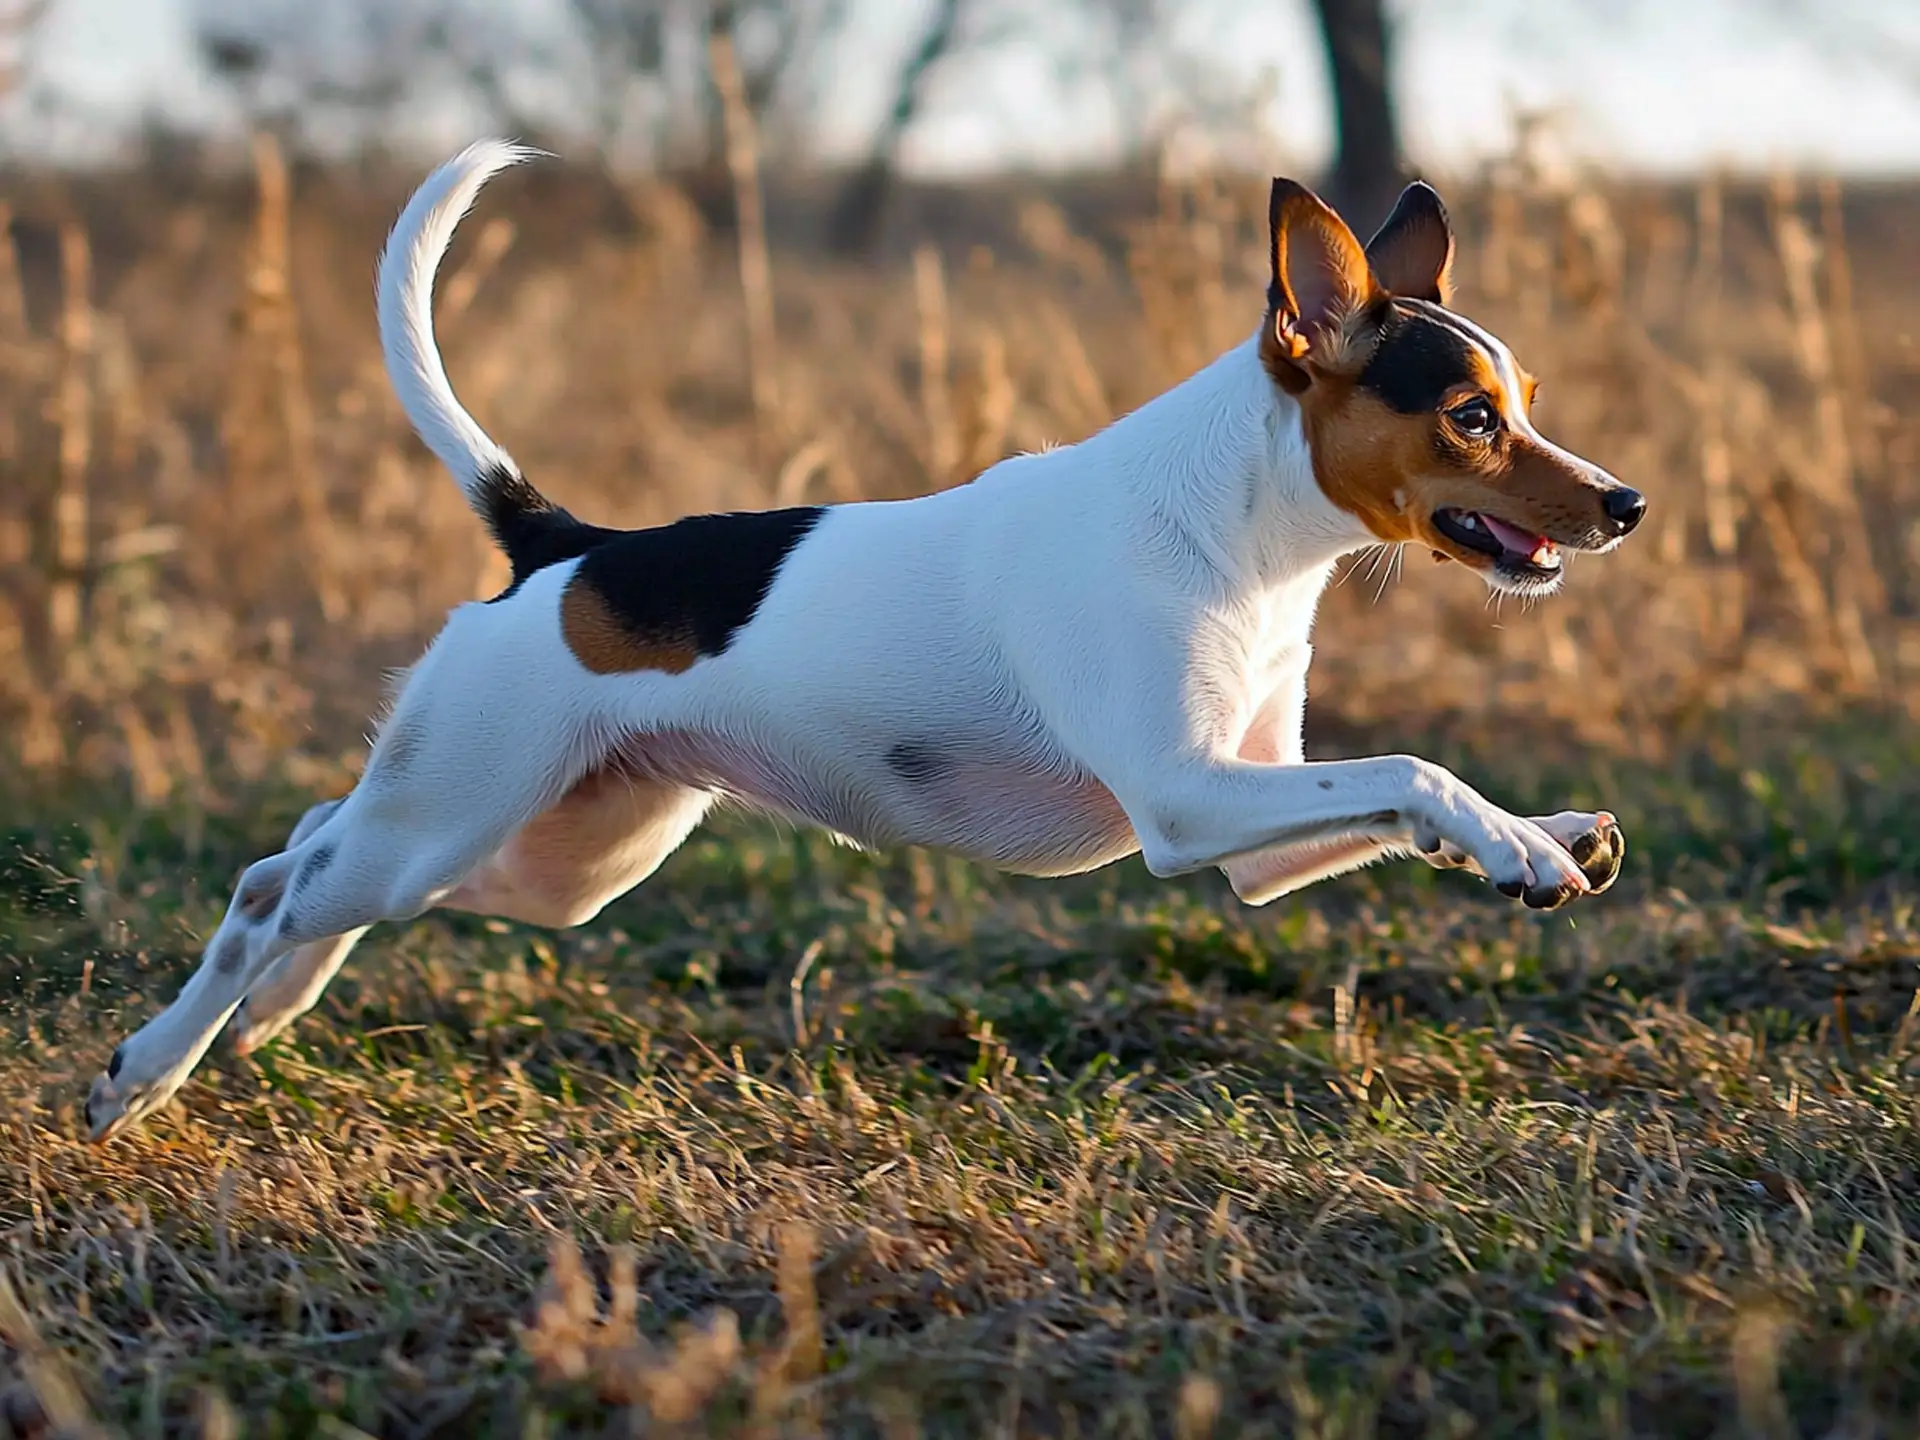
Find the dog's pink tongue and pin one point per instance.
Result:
(1512, 536)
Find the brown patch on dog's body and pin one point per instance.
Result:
(663, 599)
(606, 646)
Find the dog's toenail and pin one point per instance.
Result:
(113, 1065)
(1586, 847)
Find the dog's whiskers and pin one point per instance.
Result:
(1395, 557)
(1372, 552)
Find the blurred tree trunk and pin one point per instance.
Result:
(854, 227)
(1367, 167)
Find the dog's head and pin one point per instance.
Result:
(1417, 419)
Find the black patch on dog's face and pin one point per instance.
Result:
(661, 598)
(1418, 360)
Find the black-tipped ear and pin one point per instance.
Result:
(1412, 254)
(1319, 270)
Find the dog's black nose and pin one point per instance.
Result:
(1624, 507)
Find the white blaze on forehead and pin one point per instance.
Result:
(1502, 361)
(1498, 356)
(1508, 369)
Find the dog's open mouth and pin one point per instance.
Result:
(1517, 554)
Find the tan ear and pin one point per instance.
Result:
(1412, 254)
(1320, 273)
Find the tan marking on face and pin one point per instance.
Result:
(1363, 341)
(604, 645)
(1486, 381)
(1393, 471)
(1369, 461)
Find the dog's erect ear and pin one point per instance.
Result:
(1320, 276)
(1413, 253)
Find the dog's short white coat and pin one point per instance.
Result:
(1105, 645)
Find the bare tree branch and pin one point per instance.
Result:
(1367, 157)
(855, 224)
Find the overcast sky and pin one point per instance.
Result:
(1642, 84)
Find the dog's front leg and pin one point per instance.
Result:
(1274, 738)
(1342, 812)
(1266, 875)
(1594, 841)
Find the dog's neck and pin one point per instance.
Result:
(1222, 459)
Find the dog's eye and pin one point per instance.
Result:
(1475, 417)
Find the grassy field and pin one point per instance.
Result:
(796, 1140)
(801, 1140)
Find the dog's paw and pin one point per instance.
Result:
(1593, 842)
(108, 1112)
(1518, 857)
(1596, 842)
(1599, 852)
(1445, 855)
(120, 1099)
(248, 1032)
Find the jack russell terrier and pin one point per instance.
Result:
(1083, 653)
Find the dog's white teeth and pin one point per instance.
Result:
(1469, 522)
(1546, 555)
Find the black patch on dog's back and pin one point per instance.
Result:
(696, 581)
(1417, 360)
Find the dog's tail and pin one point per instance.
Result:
(522, 520)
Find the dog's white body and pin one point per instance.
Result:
(1086, 652)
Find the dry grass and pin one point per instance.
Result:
(796, 1141)
(1399, 1162)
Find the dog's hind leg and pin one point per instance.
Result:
(292, 986)
(605, 836)
(293, 983)
(491, 730)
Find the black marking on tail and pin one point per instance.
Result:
(532, 530)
